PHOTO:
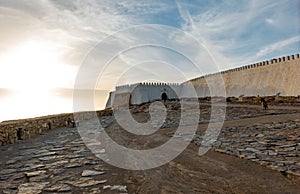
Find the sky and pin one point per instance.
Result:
(45, 43)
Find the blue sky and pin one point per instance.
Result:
(45, 43)
(236, 32)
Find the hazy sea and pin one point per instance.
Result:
(20, 104)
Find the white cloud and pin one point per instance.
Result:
(228, 30)
(233, 33)
(277, 46)
(269, 21)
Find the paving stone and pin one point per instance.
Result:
(30, 167)
(7, 171)
(58, 188)
(91, 173)
(120, 188)
(73, 165)
(35, 173)
(32, 188)
(40, 178)
(85, 182)
(46, 158)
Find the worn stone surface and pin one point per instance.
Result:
(16, 130)
(32, 188)
(275, 144)
(91, 173)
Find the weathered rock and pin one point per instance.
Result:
(7, 171)
(116, 187)
(35, 173)
(73, 165)
(32, 188)
(58, 188)
(85, 182)
(91, 173)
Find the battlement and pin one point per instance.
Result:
(129, 86)
(254, 65)
(270, 77)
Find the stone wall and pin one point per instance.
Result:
(266, 78)
(140, 93)
(12, 131)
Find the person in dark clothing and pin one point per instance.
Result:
(264, 103)
(164, 97)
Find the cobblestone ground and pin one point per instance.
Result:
(59, 162)
(273, 144)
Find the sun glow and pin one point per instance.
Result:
(31, 71)
(35, 65)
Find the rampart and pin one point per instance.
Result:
(278, 76)
(13, 131)
(142, 92)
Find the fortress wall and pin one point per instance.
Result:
(150, 92)
(141, 93)
(121, 100)
(110, 100)
(265, 78)
(12, 131)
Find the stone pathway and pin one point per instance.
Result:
(275, 145)
(57, 161)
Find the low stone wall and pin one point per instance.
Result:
(12, 131)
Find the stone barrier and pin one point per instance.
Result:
(13, 131)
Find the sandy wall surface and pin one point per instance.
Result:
(266, 78)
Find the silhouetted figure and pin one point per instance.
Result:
(164, 97)
(264, 103)
(71, 122)
(49, 125)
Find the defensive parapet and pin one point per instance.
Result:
(263, 78)
(142, 92)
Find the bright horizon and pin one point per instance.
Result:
(44, 43)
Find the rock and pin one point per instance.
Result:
(261, 148)
(57, 164)
(9, 191)
(14, 176)
(46, 158)
(116, 187)
(57, 149)
(259, 135)
(32, 167)
(91, 173)
(32, 188)
(58, 188)
(7, 171)
(289, 149)
(272, 153)
(251, 149)
(11, 162)
(217, 143)
(85, 182)
(73, 165)
(36, 173)
(45, 154)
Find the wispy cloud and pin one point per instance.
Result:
(234, 33)
(277, 46)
